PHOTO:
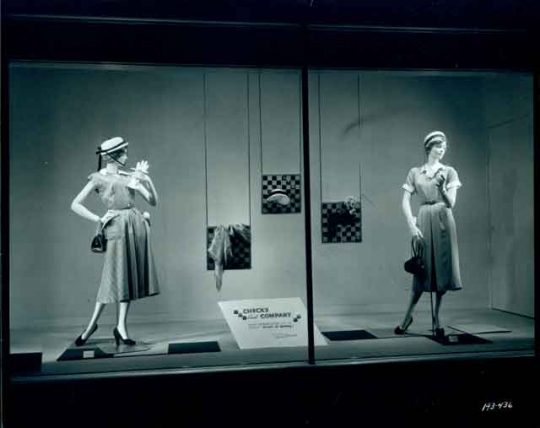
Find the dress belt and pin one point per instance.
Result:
(430, 202)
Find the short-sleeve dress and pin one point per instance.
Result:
(436, 222)
(129, 271)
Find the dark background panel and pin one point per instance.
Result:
(135, 41)
(480, 14)
(400, 49)
(445, 394)
(412, 13)
(59, 40)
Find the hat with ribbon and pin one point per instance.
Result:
(434, 138)
(112, 145)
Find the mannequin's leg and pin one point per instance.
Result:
(438, 302)
(123, 308)
(93, 321)
(415, 297)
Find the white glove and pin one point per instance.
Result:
(141, 169)
(440, 181)
(109, 215)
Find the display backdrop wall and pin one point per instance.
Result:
(509, 120)
(375, 122)
(209, 136)
(60, 114)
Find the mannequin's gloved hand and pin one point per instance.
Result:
(141, 170)
(109, 215)
(413, 228)
(440, 181)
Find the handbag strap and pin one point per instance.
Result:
(417, 247)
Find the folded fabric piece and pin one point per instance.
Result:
(221, 249)
(242, 231)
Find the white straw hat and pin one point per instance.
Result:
(112, 145)
(434, 137)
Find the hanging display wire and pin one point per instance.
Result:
(205, 114)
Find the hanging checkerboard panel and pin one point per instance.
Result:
(290, 184)
(241, 251)
(337, 227)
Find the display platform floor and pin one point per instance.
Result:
(501, 333)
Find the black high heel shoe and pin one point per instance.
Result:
(80, 341)
(439, 333)
(399, 330)
(118, 338)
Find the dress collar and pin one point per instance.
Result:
(424, 170)
(105, 172)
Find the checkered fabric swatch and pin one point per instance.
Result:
(334, 231)
(241, 251)
(290, 183)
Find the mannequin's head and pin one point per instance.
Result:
(113, 150)
(435, 145)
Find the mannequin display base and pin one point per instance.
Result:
(459, 339)
(101, 349)
(479, 328)
(112, 348)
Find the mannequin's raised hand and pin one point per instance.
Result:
(141, 170)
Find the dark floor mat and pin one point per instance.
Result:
(348, 335)
(193, 347)
(25, 362)
(101, 349)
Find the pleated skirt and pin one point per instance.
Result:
(129, 271)
(441, 255)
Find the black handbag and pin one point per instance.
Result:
(99, 242)
(415, 265)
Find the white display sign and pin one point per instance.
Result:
(269, 323)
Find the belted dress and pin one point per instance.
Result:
(436, 222)
(129, 270)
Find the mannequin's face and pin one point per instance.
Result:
(121, 157)
(437, 151)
